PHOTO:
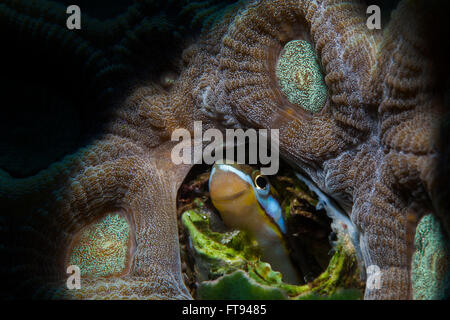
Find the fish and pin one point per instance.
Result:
(246, 201)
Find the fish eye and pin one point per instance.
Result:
(261, 182)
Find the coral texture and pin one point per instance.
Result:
(431, 261)
(299, 76)
(101, 249)
(371, 146)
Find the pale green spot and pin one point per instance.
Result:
(431, 261)
(299, 76)
(101, 249)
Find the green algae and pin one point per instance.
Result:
(220, 253)
(230, 267)
(238, 286)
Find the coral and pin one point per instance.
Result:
(300, 77)
(101, 249)
(431, 261)
(371, 147)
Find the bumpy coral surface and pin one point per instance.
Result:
(299, 76)
(371, 147)
(431, 261)
(101, 249)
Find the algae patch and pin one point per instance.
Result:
(229, 267)
(219, 263)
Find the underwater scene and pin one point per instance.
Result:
(225, 150)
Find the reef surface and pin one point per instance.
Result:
(374, 137)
